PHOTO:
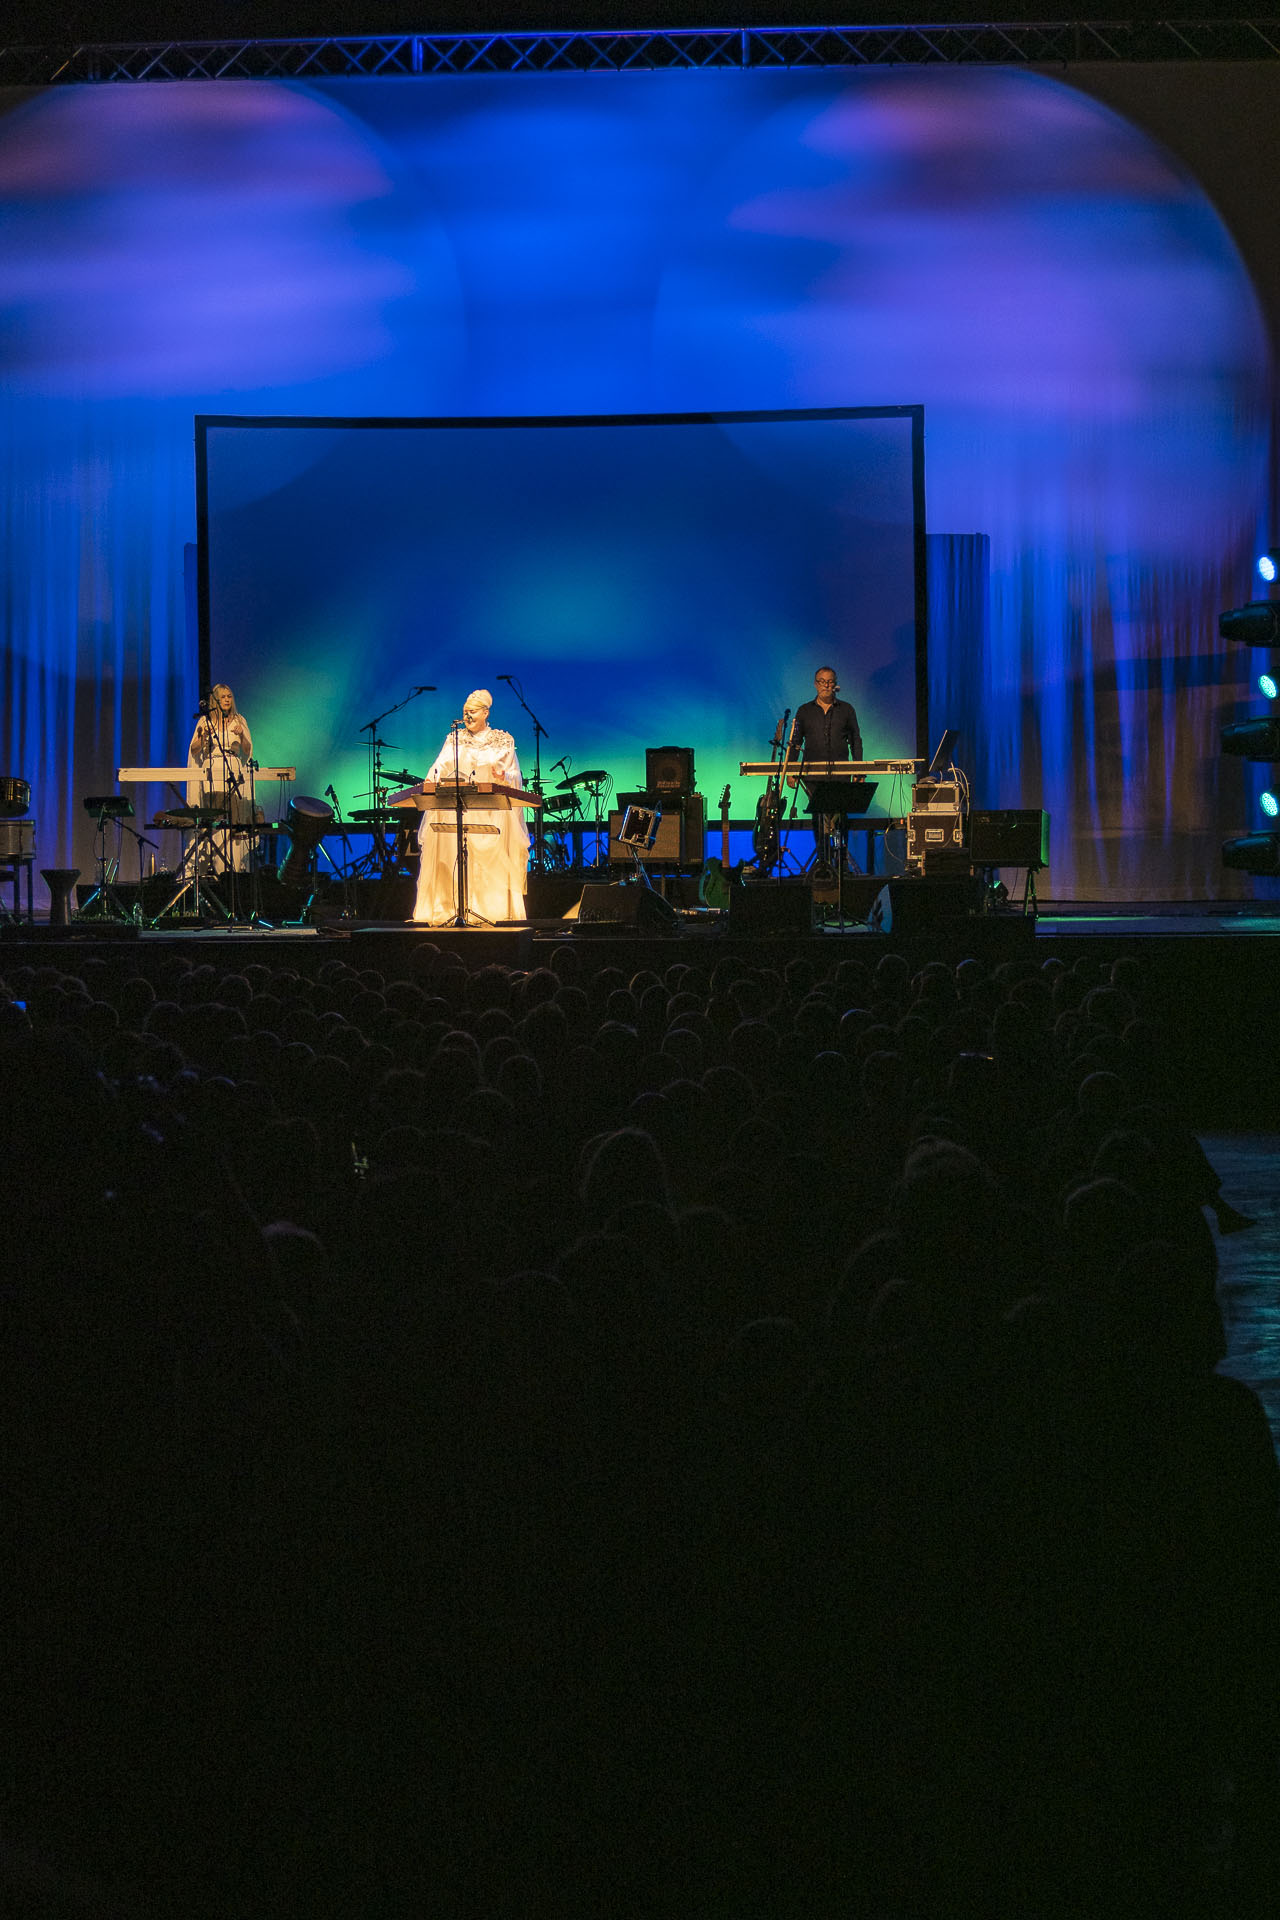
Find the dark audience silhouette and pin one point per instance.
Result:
(729, 1438)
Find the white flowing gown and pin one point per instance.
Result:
(496, 862)
(210, 763)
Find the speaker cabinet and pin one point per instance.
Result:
(682, 830)
(916, 902)
(613, 908)
(1009, 837)
(669, 769)
(771, 906)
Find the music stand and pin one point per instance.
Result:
(104, 903)
(834, 799)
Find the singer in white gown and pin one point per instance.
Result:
(217, 776)
(496, 861)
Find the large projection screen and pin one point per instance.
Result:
(647, 581)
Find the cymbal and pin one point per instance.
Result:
(592, 779)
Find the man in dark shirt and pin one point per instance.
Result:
(826, 728)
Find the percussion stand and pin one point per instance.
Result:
(597, 788)
(206, 821)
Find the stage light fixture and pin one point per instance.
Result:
(1267, 564)
(1252, 739)
(1255, 625)
(1253, 853)
(1267, 686)
(1270, 805)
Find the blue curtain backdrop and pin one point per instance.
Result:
(1048, 282)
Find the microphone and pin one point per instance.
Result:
(201, 711)
(560, 763)
(505, 676)
(456, 726)
(424, 689)
(331, 795)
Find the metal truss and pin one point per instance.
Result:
(419, 56)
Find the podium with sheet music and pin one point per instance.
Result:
(449, 802)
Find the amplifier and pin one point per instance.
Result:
(682, 830)
(17, 839)
(1009, 837)
(669, 769)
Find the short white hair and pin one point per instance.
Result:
(480, 698)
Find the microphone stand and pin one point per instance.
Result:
(376, 745)
(233, 788)
(137, 915)
(252, 842)
(539, 735)
(218, 747)
(377, 789)
(459, 814)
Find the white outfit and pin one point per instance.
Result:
(213, 759)
(496, 861)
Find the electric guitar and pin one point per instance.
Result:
(713, 888)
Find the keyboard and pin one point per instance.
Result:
(832, 769)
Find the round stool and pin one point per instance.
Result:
(60, 881)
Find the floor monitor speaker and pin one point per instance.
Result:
(771, 906)
(610, 907)
(916, 903)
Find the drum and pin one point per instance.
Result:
(15, 797)
(306, 822)
(17, 839)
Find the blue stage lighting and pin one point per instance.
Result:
(1270, 805)
(1267, 686)
(1267, 565)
